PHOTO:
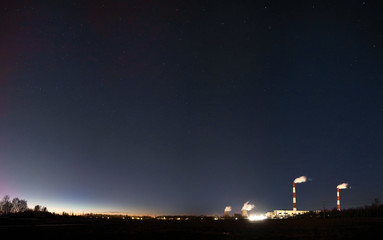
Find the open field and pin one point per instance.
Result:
(206, 229)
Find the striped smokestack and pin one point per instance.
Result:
(301, 179)
(294, 198)
(340, 186)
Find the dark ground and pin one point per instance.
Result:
(70, 228)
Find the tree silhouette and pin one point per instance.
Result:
(6, 205)
(15, 205)
(37, 208)
(23, 205)
(19, 205)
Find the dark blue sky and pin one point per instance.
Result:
(185, 108)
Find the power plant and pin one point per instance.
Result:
(282, 213)
(289, 213)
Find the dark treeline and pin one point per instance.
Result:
(370, 211)
(19, 207)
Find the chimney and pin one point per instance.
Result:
(294, 198)
(337, 199)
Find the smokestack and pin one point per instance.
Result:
(301, 179)
(340, 186)
(294, 198)
(227, 211)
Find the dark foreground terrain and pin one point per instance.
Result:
(84, 228)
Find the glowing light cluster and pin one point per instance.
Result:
(257, 217)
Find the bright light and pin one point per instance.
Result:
(257, 217)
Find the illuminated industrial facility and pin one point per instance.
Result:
(289, 213)
(280, 214)
(284, 213)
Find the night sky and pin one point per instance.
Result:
(185, 107)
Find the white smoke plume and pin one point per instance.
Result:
(247, 206)
(228, 209)
(301, 179)
(343, 186)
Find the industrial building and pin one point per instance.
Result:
(284, 213)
